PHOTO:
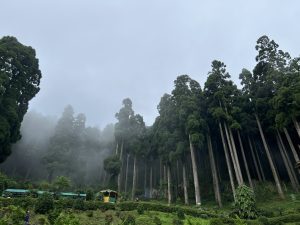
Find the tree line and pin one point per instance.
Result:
(215, 138)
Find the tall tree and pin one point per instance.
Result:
(19, 83)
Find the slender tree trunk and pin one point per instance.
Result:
(227, 161)
(296, 157)
(150, 182)
(275, 175)
(254, 160)
(195, 173)
(297, 126)
(185, 191)
(214, 171)
(288, 160)
(259, 162)
(121, 168)
(160, 173)
(245, 161)
(169, 184)
(165, 182)
(117, 148)
(145, 180)
(126, 173)
(288, 169)
(236, 156)
(134, 178)
(232, 156)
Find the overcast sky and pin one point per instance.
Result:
(93, 54)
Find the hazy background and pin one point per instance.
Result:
(95, 53)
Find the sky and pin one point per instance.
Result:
(95, 53)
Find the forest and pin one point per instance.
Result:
(207, 144)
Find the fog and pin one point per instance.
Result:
(81, 160)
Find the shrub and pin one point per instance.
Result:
(66, 219)
(245, 205)
(144, 220)
(108, 219)
(42, 220)
(222, 221)
(129, 219)
(89, 195)
(180, 214)
(45, 203)
(140, 209)
(177, 222)
(12, 215)
(79, 204)
(52, 215)
(90, 213)
(263, 220)
(157, 221)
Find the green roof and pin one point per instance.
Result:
(17, 190)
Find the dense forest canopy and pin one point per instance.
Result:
(205, 142)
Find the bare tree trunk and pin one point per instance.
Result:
(121, 168)
(214, 171)
(232, 156)
(169, 185)
(245, 161)
(195, 173)
(259, 163)
(150, 183)
(165, 182)
(126, 173)
(288, 169)
(227, 161)
(185, 191)
(296, 157)
(145, 180)
(288, 160)
(297, 126)
(117, 148)
(236, 156)
(254, 160)
(275, 175)
(134, 178)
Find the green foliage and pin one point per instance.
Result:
(222, 221)
(45, 203)
(129, 220)
(108, 219)
(53, 215)
(90, 213)
(180, 214)
(157, 221)
(42, 220)
(177, 221)
(62, 183)
(19, 83)
(112, 165)
(79, 204)
(12, 215)
(140, 209)
(245, 204)
(66, 219)
(90, 195)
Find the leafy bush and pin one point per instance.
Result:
(129, 220)
(140, 209)
(177, 222)
(89, 195)
(12, 215)
(66, 219)
(245, 205)
(53, 215)
(157, 221)
(42, 220)
(108, 219)
(180, 214)
(90, 213)
(222, 221)
(45, 203)
(144, 220)
(291, 218)
(79, 204)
